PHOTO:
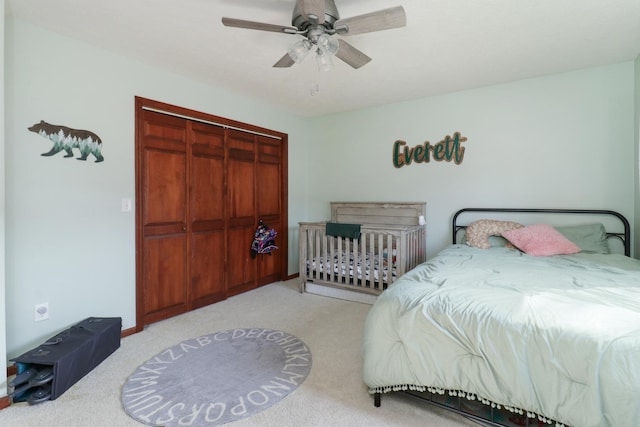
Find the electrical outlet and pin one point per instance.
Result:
(41, 311)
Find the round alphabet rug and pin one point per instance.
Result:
(217, 378)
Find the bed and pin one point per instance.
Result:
(390, 241)
(509, 338)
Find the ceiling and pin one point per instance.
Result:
(447, 45)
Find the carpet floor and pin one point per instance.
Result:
(332, 395)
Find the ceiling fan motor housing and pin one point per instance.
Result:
(302, 22)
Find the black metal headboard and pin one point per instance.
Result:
(625, 236)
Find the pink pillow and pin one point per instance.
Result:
(540, 240)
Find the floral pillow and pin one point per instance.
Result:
(541, 240)
(478, 232)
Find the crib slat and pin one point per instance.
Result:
(339, 260)
(347, 262)
(390, 250)
(330, 255)
(380, 256)
(414, 249)
(403, 251)
(306, 244)
(356, 265)
(363, 261)
(302, 262)
(372, 257)
(409, 254)
(308, 247)
(317, 240)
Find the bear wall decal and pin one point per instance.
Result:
(65, 138)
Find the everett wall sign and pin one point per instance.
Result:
(449, 149)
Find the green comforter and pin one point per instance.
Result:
(556, 336)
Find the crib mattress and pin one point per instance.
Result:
(352, 266)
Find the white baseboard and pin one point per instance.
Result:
(344, 294)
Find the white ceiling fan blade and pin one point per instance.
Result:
(384, 19)
(313, 8)
(252, 25)
(351, 55)
(284, 62)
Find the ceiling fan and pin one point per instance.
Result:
(318, 22)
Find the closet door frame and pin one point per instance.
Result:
(142, 104)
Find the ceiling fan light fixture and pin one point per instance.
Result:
(324, 60)
(299, 50)
(328, 44)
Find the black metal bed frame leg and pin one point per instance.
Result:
(376, 399)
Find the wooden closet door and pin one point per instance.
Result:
(164, 217)
(269, 205)
(201, 188)
(241, 202)
(207, 211)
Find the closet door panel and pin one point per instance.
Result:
(241, 176)
(207, 249)
(165, 192)
(241, 202)
(207, 268)
(269, 269)
(164, 217)
(207, 178)
(268, 170)
(269, 178)
(241, 269)
(268, 189)
(163, 276)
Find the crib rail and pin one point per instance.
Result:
(370, 264)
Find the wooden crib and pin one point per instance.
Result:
(391, 242)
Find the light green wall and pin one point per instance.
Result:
(559, 141)
(563, 140)
(3, 324)
(637, 157)
(68, 243)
